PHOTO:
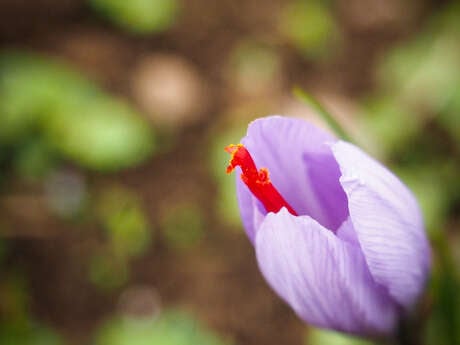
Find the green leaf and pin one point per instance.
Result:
(309, 26)
(320, 337)
(139, 16)
(103, 135)
(172, 328)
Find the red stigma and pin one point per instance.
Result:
(258, 181)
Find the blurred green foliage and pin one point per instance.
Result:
(382, 115)
(17, 326)
(51, 114)
(309, 26)
(254, 67)
(50, 111)
(227, 204)
(183, 225)
(444, 323)
(419, 83)
(14, 300)
(128, 235)
(425, 74)
(431, 193)
(172, 328)
(126, 224)
(415, 115)
(34, 158)
(108, 271)
(415, 112)
(31, 335)
(105, 135)
(139, 16)
(323, 337)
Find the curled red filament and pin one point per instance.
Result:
(258, 181)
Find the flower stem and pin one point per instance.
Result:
(312, 102)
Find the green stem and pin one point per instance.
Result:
(312, 102)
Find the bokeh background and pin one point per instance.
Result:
(118, 224)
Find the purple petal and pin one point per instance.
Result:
(347, 232)
(324, 279)
(301, 167)
(252, 211)
(388, 224)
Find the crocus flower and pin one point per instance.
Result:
(336, 235)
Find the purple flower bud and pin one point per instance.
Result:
(344, 242)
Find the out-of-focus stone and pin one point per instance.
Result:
(170, 90)
(65, 192)
(140, 301)
(364, 15)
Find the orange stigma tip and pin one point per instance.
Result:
(232, 149)
(258, 181)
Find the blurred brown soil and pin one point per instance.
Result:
(219, 279)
